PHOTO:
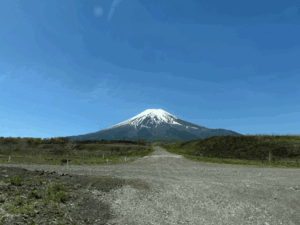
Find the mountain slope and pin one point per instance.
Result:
(155, 125)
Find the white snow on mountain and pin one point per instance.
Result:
(156, 116)
(191, 127)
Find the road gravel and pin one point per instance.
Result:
(182, 191)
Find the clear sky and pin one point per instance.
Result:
(77, 67)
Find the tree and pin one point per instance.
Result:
(141, 141)
(71, 146)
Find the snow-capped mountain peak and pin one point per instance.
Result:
(149, 116)
(155, 125)
(160, 114)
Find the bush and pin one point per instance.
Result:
(34, 141)
(8, 140)
(116, 148)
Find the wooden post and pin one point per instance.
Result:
(270, 156)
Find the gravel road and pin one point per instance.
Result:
(193, 193)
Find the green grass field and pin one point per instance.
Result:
(251, 150)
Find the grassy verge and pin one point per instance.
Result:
(89, 156)
(285, 149)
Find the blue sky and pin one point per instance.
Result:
(76, 67)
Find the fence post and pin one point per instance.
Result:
(9, 159)
(125, 159)
(270, 156)
(67, 162)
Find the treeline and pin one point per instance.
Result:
(138, 142)
(64, 141)
(245, 147)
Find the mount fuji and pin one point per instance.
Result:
(154, 125)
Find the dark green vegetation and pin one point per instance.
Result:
(165, 139)
(60, 151)
(256, 150)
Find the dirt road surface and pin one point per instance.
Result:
(193, 193)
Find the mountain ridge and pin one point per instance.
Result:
(153, 124)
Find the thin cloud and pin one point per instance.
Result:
(116, 3)
(112, 8)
